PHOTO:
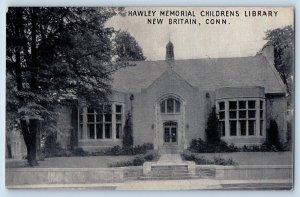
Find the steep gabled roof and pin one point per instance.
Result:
(206, 74)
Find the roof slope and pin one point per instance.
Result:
(206, 74)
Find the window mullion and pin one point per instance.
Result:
(174, 110)
(166, 106)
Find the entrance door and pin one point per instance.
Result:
(170, 132)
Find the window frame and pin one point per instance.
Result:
(163, 105)
(102, 113)
(258, 117)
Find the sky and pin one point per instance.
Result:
(244, 36)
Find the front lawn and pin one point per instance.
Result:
(77, 162)
(253, 158)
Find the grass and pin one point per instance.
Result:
(254, 158)
(76, 162)
(242, 158)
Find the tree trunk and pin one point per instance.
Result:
(9, 154)
(38, 144)
(28, 131)
(29, 135)
(32, 146)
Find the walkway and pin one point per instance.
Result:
(193, 184)
(170, 158)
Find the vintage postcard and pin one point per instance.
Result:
(150, 98)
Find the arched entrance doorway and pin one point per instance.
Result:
(170, 121)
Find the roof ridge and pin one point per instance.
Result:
(212, 58)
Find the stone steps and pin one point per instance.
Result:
(168, 177)
(169, 172)
(169, 168)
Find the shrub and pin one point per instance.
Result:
(201, 160)
(151, 156)
(142, 149)
(116, 150)
(199, 146)
(212, 128)
(128, 138)
(138, 161)
(273, 137)
(135, 150)
(121, 164)
(79, 152)
(224, 162)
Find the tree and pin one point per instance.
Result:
(56, 56)
(283, 41)
(212, 128)
(128, 138)
(127, 48)
(272, 138)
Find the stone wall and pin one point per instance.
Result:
(25, 176)
(32, 176)
(245, 172)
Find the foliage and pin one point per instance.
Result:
(200, 146)
(133, 150)
(224, 162)
(212, 128)
(78, 152)
(138, 160)
(127, 48)
(201, 160)
(53, 56)
(272, 138)
(128, 131)
(288, 145)
(283, 41)
(53, 149)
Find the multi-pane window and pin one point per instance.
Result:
(242, 117)
(261, 117)
(119, 118)
(233, 118)
(222, 118)
(81, 124)
(170, 106)
(99, 121)
(247, 117)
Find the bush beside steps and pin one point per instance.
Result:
(138, 160)
(201, 160)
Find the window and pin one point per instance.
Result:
(243, 127)
(80, 123)
(222, 118)
(261, 117)
(222, 128)
(170, 106)
(233, 117)
(97, 118)
(247, 116)
(242, 116)
(233, 127)
(96, 123)
(251, 127)
(119, 121)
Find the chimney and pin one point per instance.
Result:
(268, 52)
